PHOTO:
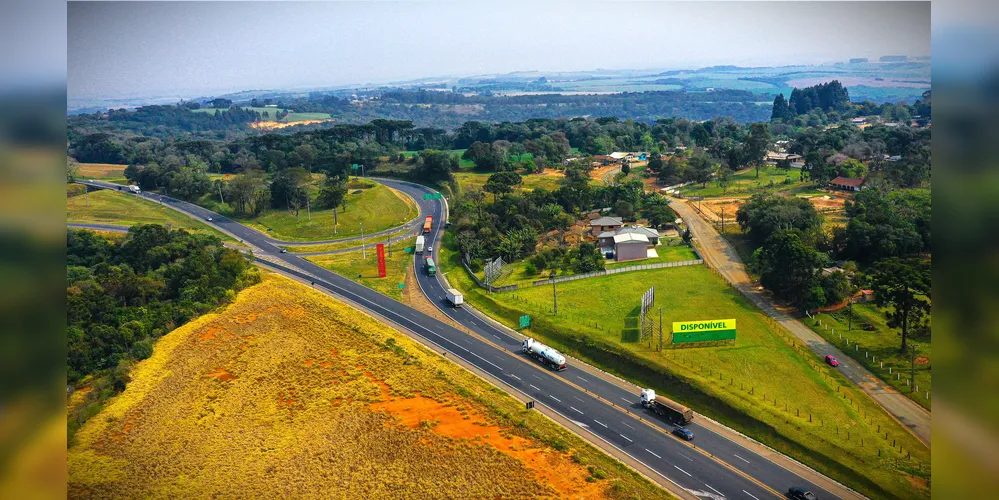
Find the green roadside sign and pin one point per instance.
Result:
(402, 285)
(431, 196)
(355, 166)
(703, 331)
(409, 249)
(525, 321)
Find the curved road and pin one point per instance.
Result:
(715, 468)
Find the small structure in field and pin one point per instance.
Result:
(847, 183)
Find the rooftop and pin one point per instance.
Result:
(607, 221)
(847, 181)
(631, 238)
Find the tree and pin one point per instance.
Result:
(781, 111)
(764, 215)
(434, 165)
(655, 162)
(659, 214)
(836, 287)
(626, 168)
(724, 178)
(902, 289)
(756, 145)
(699, 169)
(788, 268)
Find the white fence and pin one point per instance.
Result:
(640, 267)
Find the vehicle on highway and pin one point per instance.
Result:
(799, 493)
(428, 223)
(284, 250)
(429, 266)
(209, 218)
(455, 297)
(831, 360)
(683, 433)
(550, 357)
(666, 408)
(419, 243)
(133, 188)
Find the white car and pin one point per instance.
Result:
(209, 218)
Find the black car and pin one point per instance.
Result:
(798, 493)
(683, 433)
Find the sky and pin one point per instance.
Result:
(143, 49)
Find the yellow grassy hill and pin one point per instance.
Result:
(289, 393)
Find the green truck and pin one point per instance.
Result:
(430, 267)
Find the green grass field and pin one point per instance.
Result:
(109, 172)
(745, 183)
(475, 180)
(877, 349)
(352, 265)
(378, 208)
(292, 117)
(110, 207)
(766, 384)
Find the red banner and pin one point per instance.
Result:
(381, 260)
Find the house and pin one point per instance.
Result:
(604, 224)
(605, 159)
(630, 246)
(605, 240)
(847, 183)
(773, 157)
(865, 296)
(620, 155)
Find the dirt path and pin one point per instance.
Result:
(718, 254)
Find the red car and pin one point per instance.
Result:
(831, 360)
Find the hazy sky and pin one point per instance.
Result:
(191, 48)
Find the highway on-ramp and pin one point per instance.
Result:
(716, 468)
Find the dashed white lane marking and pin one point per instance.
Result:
(601, 423)
(628, 426)
(740, 458)
(575, 410)
(583, 379)
(750, 494)
(683, 471)
(653, 454)
(578, 399)
(713, 489)
(625, 400)
(514, 376)
(685, 456)
(536, 388)
(626, 437)
(556, 399)
(535, 376)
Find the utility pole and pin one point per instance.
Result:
(364, 253)
(220, 193)
(554, 295)
(723, 219)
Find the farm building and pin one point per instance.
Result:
(604, 224)
(847, 183)
(605, 160)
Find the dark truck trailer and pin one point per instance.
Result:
(667, 408)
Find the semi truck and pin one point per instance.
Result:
(550, 357)
(455, 297)
(428, 223)
(430, 267)
(666, 408)
(419, 243)
(133, 188)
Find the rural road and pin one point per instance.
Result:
(718, 464)
(716, 251)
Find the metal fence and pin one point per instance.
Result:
(640, 267)
(508, 288)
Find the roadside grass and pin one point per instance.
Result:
(111, 207)
(378, 208)
(745, 183)
(354, 266)
(342, 407)
(766, 385)
(329, 247)
(877, 350)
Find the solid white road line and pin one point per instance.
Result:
(653, 454)
(536, 388)
(626, 437)
(750, 494)
(683, 471)
(556, 399)
(601, 423)
(716, 491)
(740, 458)
(575, 410)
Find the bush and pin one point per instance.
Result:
(530, 269)
(142, 349)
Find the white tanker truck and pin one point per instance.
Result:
(544, 354)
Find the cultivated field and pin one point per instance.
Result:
(105, 171)
(550, 179)
(110, 207)
(291, 392)
(820, 419)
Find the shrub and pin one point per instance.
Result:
(142, 349)
(530, 269)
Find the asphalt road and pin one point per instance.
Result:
(721, 256)
(716, 468)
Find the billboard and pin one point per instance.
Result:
(703, 331)
(381, 260)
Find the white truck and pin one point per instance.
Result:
(133, 188)
(544, 354)
(419, 243)
(455, 297)
(664, 407)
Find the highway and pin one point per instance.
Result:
(716, 468)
